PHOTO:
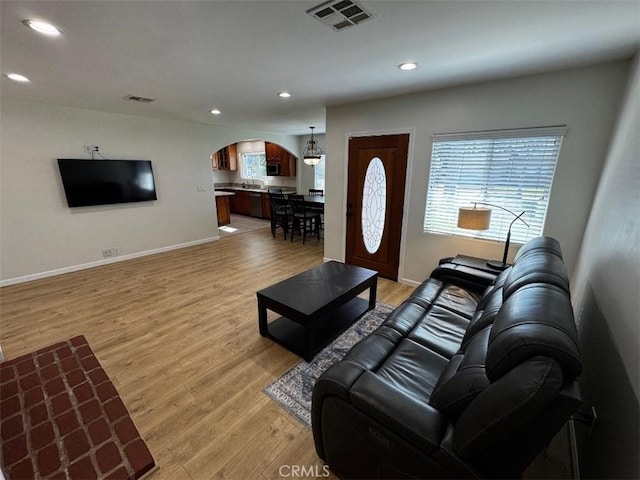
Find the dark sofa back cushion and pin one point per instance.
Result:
(498, 427)
(463, 378)
(536, 267)
(535, 320)
(547, 245)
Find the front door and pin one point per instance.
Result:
(375, 201)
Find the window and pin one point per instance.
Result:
(510, 168)
(254, 165)
(318, 174)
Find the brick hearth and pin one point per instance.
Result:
(63, 418)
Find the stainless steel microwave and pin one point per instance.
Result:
(273, 169)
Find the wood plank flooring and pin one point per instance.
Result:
(177, 333)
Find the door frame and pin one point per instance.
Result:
(407, 190)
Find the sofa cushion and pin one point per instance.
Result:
(406, 316)
(493, 289)
(428, 290)
(370, 352)
(490, 430)
(484, 317)
(546, 245)
(536, 267)
(413, 369)
(535, 320)
(458, 300)
(464, 377)
(440, 330)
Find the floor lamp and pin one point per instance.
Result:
(480, 219)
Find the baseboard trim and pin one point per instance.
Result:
(106, 261)
(327, 259)
(411, 283)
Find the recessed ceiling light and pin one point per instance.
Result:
(43, 27)
(16, 77)
(408, 66)
(284, 94)
(215, 111)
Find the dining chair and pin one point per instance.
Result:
(316, 192)
(304, 219)
(281, 214)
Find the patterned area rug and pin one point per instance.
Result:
(293, 389)
(63, 418)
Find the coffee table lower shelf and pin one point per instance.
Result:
(307, 340)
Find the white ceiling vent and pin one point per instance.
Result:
(135, 98)
(341, 14)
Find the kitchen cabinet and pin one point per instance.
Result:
(225, 159)
(222, 207)
(240, 203)
(277, 155)
(266, 206)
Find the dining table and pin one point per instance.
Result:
(315, 201)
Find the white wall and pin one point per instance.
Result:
(305, 172)
(585, 99)
(39, 233)
(606, 296)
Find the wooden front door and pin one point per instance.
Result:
(375, 200)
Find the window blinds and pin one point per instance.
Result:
(510, 168)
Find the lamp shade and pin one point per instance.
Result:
(474, 218)
(310, 160)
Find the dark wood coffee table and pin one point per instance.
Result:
(316, 306)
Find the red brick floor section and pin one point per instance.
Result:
(61, 417)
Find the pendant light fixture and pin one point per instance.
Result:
(312, 152)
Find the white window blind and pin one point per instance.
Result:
(510, 168)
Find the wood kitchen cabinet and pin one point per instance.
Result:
(277, 155)
(266, 206)
(222, 207)
(225, 159)
(239, 203)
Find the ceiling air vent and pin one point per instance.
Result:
(341, 14)
(135, 98)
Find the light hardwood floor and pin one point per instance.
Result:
(178, 335)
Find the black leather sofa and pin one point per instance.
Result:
(470, 377)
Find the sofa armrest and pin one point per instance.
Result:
(336, 381)
(463, 276)
(413, 420)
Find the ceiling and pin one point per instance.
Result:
(192, 56)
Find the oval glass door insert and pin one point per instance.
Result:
(374, 205)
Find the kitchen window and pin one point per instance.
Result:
(510, 168)
(254, 165)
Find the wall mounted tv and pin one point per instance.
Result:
(105, 182)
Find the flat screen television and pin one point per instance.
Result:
(105, 182)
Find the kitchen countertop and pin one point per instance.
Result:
(255, 190)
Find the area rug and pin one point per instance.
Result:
(63, 418)
(292, 391)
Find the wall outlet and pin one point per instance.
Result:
(110, 252)
(91, 148)
(201, 188)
